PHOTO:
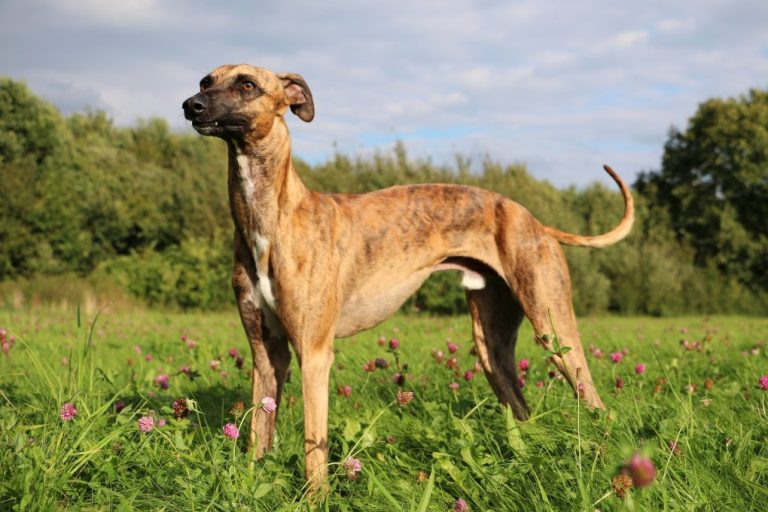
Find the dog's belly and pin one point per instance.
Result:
(373, 304)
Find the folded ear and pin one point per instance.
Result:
(299, 96)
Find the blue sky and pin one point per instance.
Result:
(561, 86)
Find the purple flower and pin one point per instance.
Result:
(146, 424)
(454, 386)
(616, 356)
(268, 404)
(162, 381)
(345, 390)
(460, 506)
(468, 375)
(523, 365)
(67, 412)
(641, 470)
(640, 369)
(764, 382)
(452, 347)
(353, 467)
(233, 353)
(394, 343)
(119, 406)
(231, 431)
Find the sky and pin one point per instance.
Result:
(560, 86)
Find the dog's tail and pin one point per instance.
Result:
(609, 238)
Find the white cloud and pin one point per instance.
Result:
(562, 85)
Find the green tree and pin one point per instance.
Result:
(714, 185)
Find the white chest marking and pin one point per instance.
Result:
(259, 243)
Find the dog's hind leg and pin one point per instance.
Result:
(496, 317)
(542, 284)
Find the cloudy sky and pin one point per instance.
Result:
(562, 86)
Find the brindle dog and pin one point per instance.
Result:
(311, 267)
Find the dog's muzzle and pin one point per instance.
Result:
(210, 121)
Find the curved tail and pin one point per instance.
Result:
(609, 238)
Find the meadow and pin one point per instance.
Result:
(682, 393)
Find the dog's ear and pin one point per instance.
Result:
(299, 96)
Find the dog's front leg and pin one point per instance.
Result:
(271, 357)
(316, 360)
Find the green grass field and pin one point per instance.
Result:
(703, 394)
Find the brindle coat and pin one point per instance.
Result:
(312, 267)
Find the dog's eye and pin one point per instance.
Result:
(248, 85)
(205, 83)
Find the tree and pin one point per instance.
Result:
(714, 185)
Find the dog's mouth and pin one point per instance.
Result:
(220, 127)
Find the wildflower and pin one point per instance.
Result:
(119, 406)
(394, 343)
(452, 347)
(674, 448)
(452, 363)
(369, 366)
(231, 431)
(454, 386)
(539, 383)
(345, 391)
(137, 349)
(460, 506)
(67, 412)
(438, 356)
(404, 397)
(161, 422)
(521, 382)
(641, 470)
(478, 367)
(468, 375)
(523, 365)
(239, 361)
(581, 389)
(149, 357)
(233, 353)
(709, 384)
(180, 408)
(763, 382)
(6, 347)
(214, 364)
(616, 357)
(690, 389)
(191, 344)
(353, 467)
(268, 404)
(596, 352)
(237, 409)
(146, 424)
(398, 379)
(619, 383)
(621, 484)
(640, 369)
(381, 341)
(162, 381)
(552, 374)
(391, 439)
(706, 402)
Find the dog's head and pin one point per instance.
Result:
(243, 100)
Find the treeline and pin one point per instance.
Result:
(147, 208)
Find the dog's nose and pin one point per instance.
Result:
(194, 106)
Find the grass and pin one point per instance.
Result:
(442, 446)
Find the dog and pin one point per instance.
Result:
(311, 267)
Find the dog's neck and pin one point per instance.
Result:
(263, 187)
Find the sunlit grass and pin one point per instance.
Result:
(442, 445)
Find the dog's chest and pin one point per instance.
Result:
(258, 243)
